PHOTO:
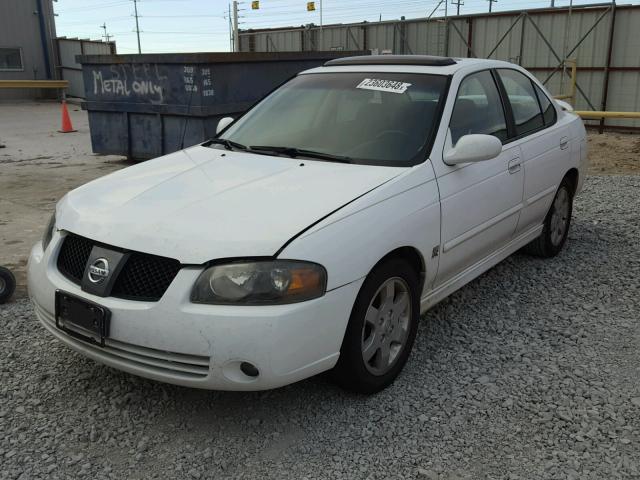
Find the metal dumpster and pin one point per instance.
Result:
(144, 106)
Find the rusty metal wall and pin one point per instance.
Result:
(536, 39)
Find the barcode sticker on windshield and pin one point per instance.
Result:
(384, 85)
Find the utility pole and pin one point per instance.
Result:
(106, 36)
(321, 31)
(230, 30)
(135, 8)
(236, 36)
(457, 3)
(491, 2)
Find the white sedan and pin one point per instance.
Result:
(311, 233)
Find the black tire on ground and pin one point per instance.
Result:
(544, 246)
(7, 284)
(351, 372)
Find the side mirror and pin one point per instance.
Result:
(473, 148)
(564, 105)
(223, 123)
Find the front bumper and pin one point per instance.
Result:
(202, 346)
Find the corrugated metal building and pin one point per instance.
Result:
(602, 38)
(27, 45)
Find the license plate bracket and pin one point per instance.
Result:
(82, 319)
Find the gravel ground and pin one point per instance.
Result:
(531, 371)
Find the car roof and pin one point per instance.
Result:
(409, 64)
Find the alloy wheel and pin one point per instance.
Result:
(386, 326)
(559, 217)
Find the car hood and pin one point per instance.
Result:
(202, 203)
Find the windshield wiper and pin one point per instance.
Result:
(228, 144)
(300, 152)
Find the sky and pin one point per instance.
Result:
(203, 25)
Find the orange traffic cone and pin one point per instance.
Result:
(66, 120)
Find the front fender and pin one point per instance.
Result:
(403, 213)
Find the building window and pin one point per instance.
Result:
(11, 59)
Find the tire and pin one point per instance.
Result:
(7, 284)
(385, 338)
(556, 224)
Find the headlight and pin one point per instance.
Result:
(260, 283)
(48, 233)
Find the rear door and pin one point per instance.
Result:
(480, 202)
(543, 143)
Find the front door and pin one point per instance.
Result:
(480, 202)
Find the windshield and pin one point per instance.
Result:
(373, 118)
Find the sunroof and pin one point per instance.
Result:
(425, 60)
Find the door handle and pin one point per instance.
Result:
(514, 165)
(564, 143)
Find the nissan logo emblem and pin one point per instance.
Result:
(98, 270)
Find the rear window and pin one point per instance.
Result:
(523, 100)
(548, 111)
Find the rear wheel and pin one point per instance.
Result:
(381, 329)
(556, 224)
(7, 284)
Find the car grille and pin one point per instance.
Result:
(73, 257)
(144, 277)
(161, 362)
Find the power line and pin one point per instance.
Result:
(347, 13)
(84, 22)
(183, 16)
(184, 32)
(274, 13)
(93, 6)
(491, 2)
(280, 11)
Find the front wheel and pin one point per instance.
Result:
(7, 284)
(381, 329)
(556, 224)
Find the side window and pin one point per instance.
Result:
(548, 112)
(478, 108)
(523, 100)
